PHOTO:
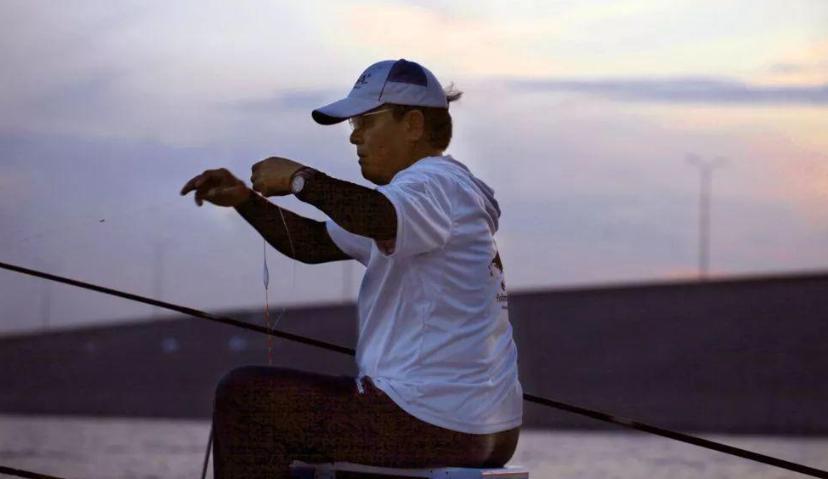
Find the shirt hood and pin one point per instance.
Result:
(486, 192)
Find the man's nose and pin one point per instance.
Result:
(356, 137)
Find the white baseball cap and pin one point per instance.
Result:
(400, 82)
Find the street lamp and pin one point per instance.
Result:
(706, 170)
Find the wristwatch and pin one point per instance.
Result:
(300, 178)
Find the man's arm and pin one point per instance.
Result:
(357, 209)
(305, 240)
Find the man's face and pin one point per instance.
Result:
(382, 145)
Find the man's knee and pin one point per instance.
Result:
(238, 381)
(230, 384)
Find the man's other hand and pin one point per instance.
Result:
(218, 187)
(271, 177)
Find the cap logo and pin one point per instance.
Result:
(362, 80)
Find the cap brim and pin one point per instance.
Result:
(341, 110)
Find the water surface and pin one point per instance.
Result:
(125, 448)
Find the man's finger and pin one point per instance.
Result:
(194, 184)
(199, 180)
(189, 186)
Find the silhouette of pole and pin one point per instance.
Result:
(158, 274)
(347, 280)
(706, 171)
(46, 292)
(46, 304)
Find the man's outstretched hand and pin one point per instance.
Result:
(218, 187)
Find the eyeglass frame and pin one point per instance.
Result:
(353, 121)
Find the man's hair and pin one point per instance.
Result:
(437, 120)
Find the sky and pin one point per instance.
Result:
(580, 114)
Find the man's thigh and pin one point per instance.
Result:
(281, 409)
(372, 429)
(316, 417)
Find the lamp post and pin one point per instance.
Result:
(46, 299)
(159, 248)
(706, 170)
(347, 280)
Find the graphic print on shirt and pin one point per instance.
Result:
(496, 271)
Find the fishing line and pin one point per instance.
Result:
(601, 416)
(266, 282)
(271, 327)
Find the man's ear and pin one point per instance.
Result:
(415, 125)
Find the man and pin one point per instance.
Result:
(438, 382)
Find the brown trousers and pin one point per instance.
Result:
(265, 417)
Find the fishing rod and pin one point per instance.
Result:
(598, 415)
(23, 473)
(182, 309)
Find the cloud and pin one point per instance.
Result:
(636, 38)
(801, 65)
(604, 190)
(57, 189)
(292, 100)
(796, 176)
(592, 189)
(683, 90)
(155, 71)
(786, 68)
(446, 42)
(799, 72)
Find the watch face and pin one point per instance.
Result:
(297, 184)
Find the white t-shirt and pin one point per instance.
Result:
(434, 331)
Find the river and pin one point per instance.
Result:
(130, 448)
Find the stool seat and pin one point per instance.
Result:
(302, 470)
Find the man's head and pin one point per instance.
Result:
(399, 114)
